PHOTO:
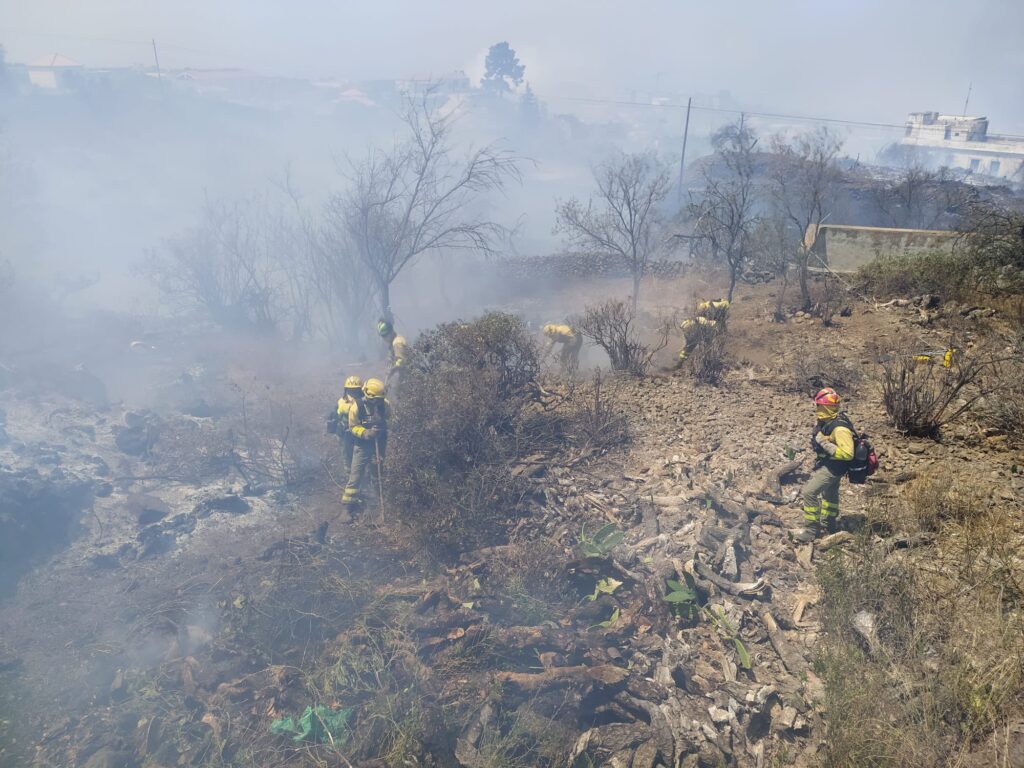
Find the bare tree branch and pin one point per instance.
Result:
(623, 218)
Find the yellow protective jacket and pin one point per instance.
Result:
(361, 419)
(562, 333)
(838, 430)
(399, 351)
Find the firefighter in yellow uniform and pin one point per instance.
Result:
(833, 440)
(571, 341)
(398, 349)
(715, 309)
(368, 423)
(338, 424)
(696, 330)
(948, 357)
(353, 392)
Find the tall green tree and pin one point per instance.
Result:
(502, 70)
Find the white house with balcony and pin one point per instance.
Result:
(964, 142)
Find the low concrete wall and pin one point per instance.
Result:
(847, 248)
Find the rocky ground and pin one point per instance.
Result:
(171, 602)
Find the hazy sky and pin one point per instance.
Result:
(855, 59)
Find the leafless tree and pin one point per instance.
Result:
(622, 218)
(922, 199)
(226, 266)
(326, 278)
(612, 325)
(418, 197)
(724, 211)
(804, 174)
(344, 282)
(775, 244)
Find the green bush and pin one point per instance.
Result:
(944, 274)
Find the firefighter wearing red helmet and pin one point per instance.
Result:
(833, 442)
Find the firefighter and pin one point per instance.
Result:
(715, 309)
(570, 340)
(833, 441)
(353, 392)
(368, 423)
(398, 349)
(949, 357)
(696, 330)
(338, 424)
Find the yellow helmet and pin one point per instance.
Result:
(353, 382)
(373, 388)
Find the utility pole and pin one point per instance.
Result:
(682, 157)
(159, 76)
(968, 99)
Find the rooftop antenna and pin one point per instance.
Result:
(968, 99)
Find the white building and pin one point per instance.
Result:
(964, 142)
(53, 71)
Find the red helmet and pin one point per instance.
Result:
(827, 397)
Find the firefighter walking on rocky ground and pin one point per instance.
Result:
(337, 421)
(368, 425)
(571, 341)
(398, 349)
(833, 441)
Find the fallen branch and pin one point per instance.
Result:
(775, 479)
(790, 659)
(739, 589)
(605, 674)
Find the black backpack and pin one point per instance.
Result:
(864, 462)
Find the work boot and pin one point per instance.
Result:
(345, 515)
(804, 535)
(320, 534)
(832, 524)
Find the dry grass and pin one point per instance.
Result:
(944, 668)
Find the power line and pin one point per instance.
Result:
(770, 115)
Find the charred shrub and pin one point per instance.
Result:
(921, 396)
(612, 326)
(825, 369)
(468, 412)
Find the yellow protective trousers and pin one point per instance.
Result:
(821, 497)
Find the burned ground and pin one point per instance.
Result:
(193, 606)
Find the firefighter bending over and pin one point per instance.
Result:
(571, 342)
(715, 309)
(696, 331)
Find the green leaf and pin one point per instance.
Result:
(673, 585)
(318, 724)
(608, 585)
(604, 532)
(612, 621)
(613, 541)
(741, 651)
(680, 596)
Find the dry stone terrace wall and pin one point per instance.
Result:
(565, 266)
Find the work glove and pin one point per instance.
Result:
(370, 434)
(824, 444)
